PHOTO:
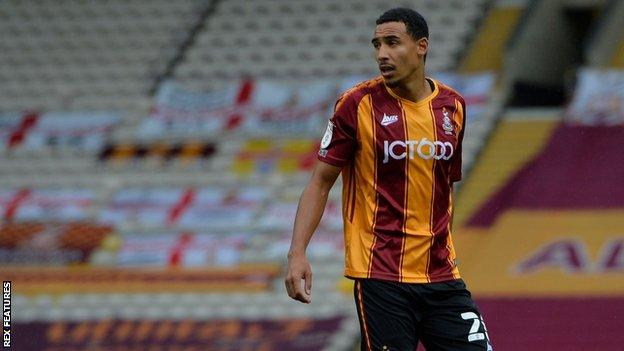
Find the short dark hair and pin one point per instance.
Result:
(415, 23)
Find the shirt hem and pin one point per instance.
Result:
(406, 279)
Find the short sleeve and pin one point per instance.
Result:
(339, 142)
(456, 163)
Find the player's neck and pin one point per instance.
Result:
(415, 89)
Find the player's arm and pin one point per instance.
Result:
(309, 213)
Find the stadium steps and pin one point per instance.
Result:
(517, 139)
(486, 52)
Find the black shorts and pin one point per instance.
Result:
(396, 316)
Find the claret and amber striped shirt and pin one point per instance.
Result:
(399, 159)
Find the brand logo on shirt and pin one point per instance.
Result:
(387, 120)
(446, 123)
(424, 148)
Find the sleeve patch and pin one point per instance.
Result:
(327, 138)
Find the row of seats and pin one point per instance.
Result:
(268, 37)
(133, 103)
(176, 312)
(294, 7)
(210, 300)
(78, 10)
(77, 81)
(87, 25)
(438, 22)
(62, 61)
(89, 42)
(56, 94)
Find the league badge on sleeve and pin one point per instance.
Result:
(328, 135)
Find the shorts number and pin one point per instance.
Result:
(473, 334)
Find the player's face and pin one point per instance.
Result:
(398, 55)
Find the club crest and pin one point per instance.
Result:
(447, 125)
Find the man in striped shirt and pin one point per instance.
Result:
(396, 139)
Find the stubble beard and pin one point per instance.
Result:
(392, 83)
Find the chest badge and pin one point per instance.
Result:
(447, 125)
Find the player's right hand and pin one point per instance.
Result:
(299, 278)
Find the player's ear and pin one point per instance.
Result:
(422, 45)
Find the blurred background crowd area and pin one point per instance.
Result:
(152, 154)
